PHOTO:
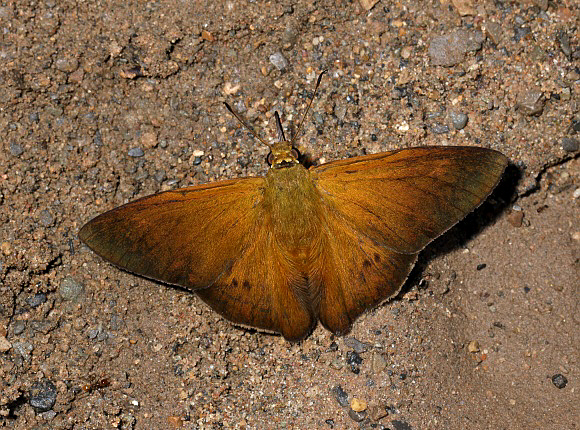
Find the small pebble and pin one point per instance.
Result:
(473, 346)
(521, 32)
(570, 144)
(358, 405)
(564, 40)
(42, 395)
(19, 326)
(378, 363)
(450, 49)
(67, 65)
(5, 345)
(97, 138)
(357, 416)
(136, 152)
(24, 349)
(515, 218)
(46, 218)
(400, 425)
(440, 129)
(531, 102)
(279, 61)
(159, 176)
(16, 149)
(36, 300)
(458, 119)
(340, 395)
(481, 266)
(353, 343)
(70, 289)
(559, 380)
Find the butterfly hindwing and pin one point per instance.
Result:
(354, 274)
(263, 289)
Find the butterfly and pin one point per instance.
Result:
(299, 245)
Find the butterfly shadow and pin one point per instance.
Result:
(473, 224)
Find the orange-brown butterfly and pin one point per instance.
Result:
(299, 245)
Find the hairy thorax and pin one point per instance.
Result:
(292, 205)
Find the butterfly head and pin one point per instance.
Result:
(282, 155)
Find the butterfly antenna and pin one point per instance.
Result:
(279, 128)
(245, 124)
(308, 108)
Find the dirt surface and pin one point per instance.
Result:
(102, 102)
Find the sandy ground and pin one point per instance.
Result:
(102, 102)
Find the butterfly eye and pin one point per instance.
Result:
(270, 158)
(295, 153)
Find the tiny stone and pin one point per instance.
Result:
(400, 425)
(70, 289)
(494, 31)
(358, 405)
(570, 144)
(357, 416)
(97, 138)
(36, 300)
(450, 49)
(67, 65)
(378, 363)
(521, 32)
(340, 111)
(19, 327)
(149, 140)
(564, 40)
(368, 4)
(5, 345)
(231, 89)
(46, 218)
(333, 346)
(24, 349)
(515, 218)
(559, 380)
(473, 346)
(481, 266)
(279, 61)
(16, 149)
(458, 119)
(531, 102)
(440, 129)
(159, 176)
(340, 395)
(358, 346)
(136, 152)
(398, 93)
(42, 395)
(352, 357)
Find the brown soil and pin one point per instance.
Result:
(85, 87)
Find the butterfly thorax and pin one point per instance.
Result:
(292, 208)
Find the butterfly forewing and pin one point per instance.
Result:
(186, 237)
(404, 199)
